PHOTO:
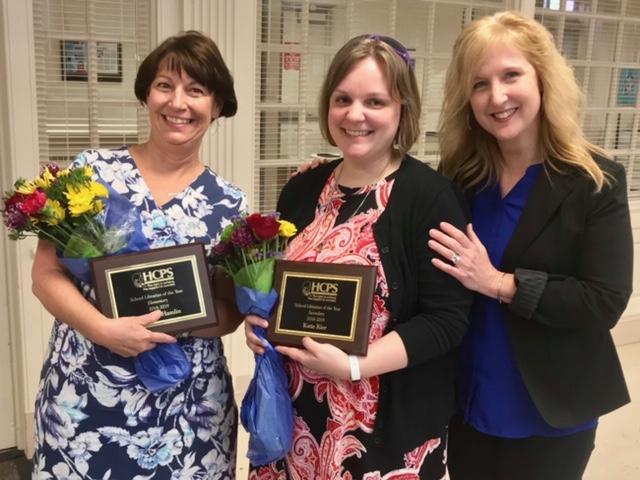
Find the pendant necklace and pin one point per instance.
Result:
(373, 187)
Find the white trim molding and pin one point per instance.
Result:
(28, 322)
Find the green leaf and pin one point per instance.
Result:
(258, 276)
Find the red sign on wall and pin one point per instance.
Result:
(291, 61)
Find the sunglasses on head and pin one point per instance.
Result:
(395, 45)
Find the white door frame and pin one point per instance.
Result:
(28, 324)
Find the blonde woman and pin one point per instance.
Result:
(549, 255)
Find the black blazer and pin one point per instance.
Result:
(572, 253)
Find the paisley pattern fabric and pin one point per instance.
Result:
(94, 419)
(333, 430)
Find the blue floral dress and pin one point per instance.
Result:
(94, 419)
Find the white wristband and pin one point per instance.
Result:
(354, 363)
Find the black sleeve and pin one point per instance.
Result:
(443, 303)
(287, 199)
(597, 294)
(298, 198)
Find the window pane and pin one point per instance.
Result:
(604, 48)
(599, 87)
(576, 38)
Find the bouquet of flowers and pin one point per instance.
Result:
(61, 206)
(84, 219)
(248, 249)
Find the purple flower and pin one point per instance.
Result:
(14, 219)
(52, 167)
(242, 237)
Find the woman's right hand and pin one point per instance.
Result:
(129, 336)
(253, 341)
(468, 262)
(314, 163)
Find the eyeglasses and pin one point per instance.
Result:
(397, 47)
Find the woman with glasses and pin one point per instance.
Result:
(549, 255)
(383, 414)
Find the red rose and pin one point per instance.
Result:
(264, 227)
(34, 202)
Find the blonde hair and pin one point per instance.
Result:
(399, 74)
(469, 155)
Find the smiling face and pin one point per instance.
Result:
(363, 117)
(506, 98)
(180, 108)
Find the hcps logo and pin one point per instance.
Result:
(141, 279)
(320, 289)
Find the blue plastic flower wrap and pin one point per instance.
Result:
(165, 365)
(162, 367)
(266, 412)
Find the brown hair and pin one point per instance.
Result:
(470, 155)
(200, 58)
(399, 74)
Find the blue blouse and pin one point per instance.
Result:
(494, 398)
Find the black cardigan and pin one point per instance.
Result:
(428, 308)
(572, 254)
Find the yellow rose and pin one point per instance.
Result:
(64, 172)
(287, 229)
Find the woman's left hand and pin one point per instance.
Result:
(322, 358)
(470, 262)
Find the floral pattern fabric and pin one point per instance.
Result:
(334, 419)
(94, 419)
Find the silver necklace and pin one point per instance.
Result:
(373, 187)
